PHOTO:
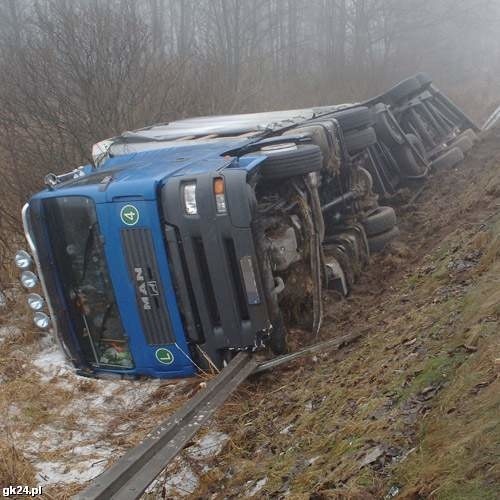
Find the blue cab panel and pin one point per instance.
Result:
(130, 222)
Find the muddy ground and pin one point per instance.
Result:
(410, 411)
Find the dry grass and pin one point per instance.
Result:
(422, 387)
(45, 415)
(14, 467)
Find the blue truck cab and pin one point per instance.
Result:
(174, 249)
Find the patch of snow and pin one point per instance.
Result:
(312, 460)
(208, 446)
(182, 483)
(9, 294)
(82, 433)
(256, 487)
(179, 479)
(8, 331)
(64, 473)
(372, 455)
(91, 411)
(393, 491)
(13, 410)
(50, 361)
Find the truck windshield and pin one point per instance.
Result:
(77, 246)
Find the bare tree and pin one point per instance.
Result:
(73, 72)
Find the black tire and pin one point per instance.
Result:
(470, 134)
(287, 162)
(417, 144)
(424, 79)
(354, 118)
(381, 220)
(448, 159)
(360, 139)
(407, 161)
(403, 90)
(463, 142)
(378, 243)
(386, 126)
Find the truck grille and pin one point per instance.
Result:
(206, 281)
(143, 270)
(206, 253)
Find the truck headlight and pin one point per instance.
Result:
(23, 259)
(220, 196)
(189, 196)
(29, 279)
(35, 301)
(41, 320)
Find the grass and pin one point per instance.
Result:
(436, 372)
(443, 335)
(459, 451)
(14, 467)
(45, 413)
(309, 427)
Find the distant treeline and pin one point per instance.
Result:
(76, 71)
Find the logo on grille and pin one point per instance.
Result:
(129, 215)
(164, 356)
(153, 288)
(146, 289)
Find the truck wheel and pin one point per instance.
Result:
(448, 159)
(377, 243)
(424, 79)
(354, 118)
(417, 144)
(470, 134)
(403, 90)
(405, 157)
(288, 160)
(381, 220)
(387, 127)
(360, 139)
(463, 142)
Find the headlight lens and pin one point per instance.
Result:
(29, 279)
(23, 259)
(189, 195)
(41, 320)
(36, 301)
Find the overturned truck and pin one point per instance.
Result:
(186, 242)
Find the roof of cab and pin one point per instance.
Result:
(139, 173)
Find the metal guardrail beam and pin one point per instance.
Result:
(128, 478)
(136, 470)
(316, 348)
